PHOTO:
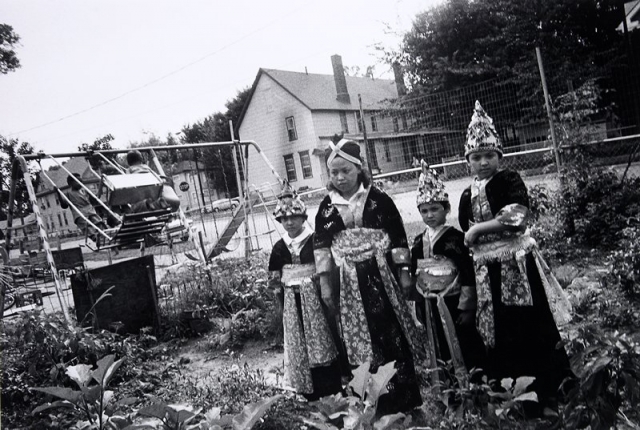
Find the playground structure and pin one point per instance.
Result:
(116, 190)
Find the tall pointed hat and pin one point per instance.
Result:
(289, 203)
(430, 187)
(481, 134)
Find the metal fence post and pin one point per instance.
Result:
(547, 104)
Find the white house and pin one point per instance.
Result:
(292, 116)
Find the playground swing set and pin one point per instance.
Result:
(121, 190)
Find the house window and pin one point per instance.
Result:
(48, 204)
(51, 222)
(305, 162)
(359, 121)
(291, 128)
(57, 201)
(64, 215)
(290, 166)
(396, 127)
(387, 152)
(374, 124)
(343, 122)
(404, 122)
(59, 220)
(373, 157)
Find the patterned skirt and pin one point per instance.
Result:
(308, 343)
(377, 325)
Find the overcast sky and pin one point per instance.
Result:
(134, 67)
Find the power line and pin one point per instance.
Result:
(178, 70)
(182, 100)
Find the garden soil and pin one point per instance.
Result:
(200, 360)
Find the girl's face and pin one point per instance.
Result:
(433, 214)
(293, 225)
(343, 175)
(484, 164)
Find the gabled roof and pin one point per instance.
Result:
(318, 92)
(59, 176)
(631, 9)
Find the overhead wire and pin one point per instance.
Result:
(163, 77)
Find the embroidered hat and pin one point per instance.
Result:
(345, 148)
(289, 204)
(430, 187)
(481, 134)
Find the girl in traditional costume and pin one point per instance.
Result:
(445, 282)
(520, 303)
(310, 353)
(359, 229)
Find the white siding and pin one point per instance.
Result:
(264, 122)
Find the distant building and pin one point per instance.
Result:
(57, 220)
(189, 188)
(292, 116)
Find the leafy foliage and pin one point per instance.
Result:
(215, 128)
(9, 61)
(607, 367)
(38, 348)
(626, 261)
(9, 149)
(233, 292)
(595, 202)
(92, 399)
(358, 410)
(462, 42)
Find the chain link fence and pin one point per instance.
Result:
(599, 113)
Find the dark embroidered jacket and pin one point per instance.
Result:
(505, 188)
(379, 212)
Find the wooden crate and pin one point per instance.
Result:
(133, 301)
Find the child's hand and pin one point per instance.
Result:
(471, 236)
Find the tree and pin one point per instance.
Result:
(215, 128)
(100, 144)
(8, 40)
(463, 42)
(9, 149)
(168, 159)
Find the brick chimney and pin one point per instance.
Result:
(340, 80)
(399, 78)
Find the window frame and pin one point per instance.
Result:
(344, 124)
(374, 123)
(302, 164)
(293, 177)
(387, 149)
(373, 155)
(359, 121)
(290, 126)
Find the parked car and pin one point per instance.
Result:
(224, 204)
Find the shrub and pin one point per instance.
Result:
(607, 369)
(626, 262)
(234, 288)
(597, 202)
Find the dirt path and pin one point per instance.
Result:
(201, 360)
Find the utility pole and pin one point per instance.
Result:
(547, 104)
(364, 134)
